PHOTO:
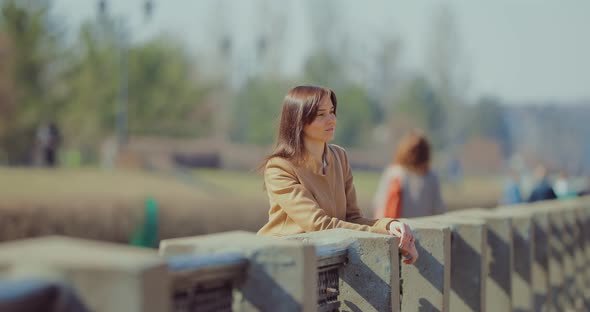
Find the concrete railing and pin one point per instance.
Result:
(331, 260)
(205, 283)
(533, 257)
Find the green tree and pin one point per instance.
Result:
(33, 41)
(356, 113)
(355, 118)
(164, 95)
(256, 111)
(323, 69)
(488, 121)
(448, 73)
(419, 106)
(92, 86)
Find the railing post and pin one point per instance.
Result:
(523, 251)
(425, 285)
(278, 275)
(370, 279)
(560, 265)
(575, 249)
(469, 265)
(583, 224)
(500, 258)
(541, 232)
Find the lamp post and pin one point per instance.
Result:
(122, 37)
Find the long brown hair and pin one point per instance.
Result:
(413, 152)
(300, 107)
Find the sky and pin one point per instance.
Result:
(520, 50)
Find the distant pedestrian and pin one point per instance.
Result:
(408, 187)
(49, 140)
(542, 189)
(562, 186)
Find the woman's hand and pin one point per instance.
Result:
(406, 240)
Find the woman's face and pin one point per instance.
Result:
(322, 128)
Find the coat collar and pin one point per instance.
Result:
(318, 168)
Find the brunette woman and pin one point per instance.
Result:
(309, 182)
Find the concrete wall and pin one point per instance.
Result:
(533, 257)
(107, 277)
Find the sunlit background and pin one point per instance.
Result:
(160, 111)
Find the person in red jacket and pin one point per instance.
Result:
(408, 187)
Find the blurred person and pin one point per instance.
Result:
(49, 140)
(512, 191)
(562, 185)
(408, 188)
(309, 183)
(542, 189)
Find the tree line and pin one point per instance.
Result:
(46, 76)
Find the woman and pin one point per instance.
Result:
(408, 188)
(309, 183)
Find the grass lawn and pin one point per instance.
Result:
(103, 204)
(33, 183)
(475, 191)
(39, 184)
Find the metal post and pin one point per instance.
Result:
(121, 123)
(123, 101)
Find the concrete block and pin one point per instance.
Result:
(523, 256)
(542, 292)
(425, 286)
(561, 266)
(583, 224)
(278, 276)
(560, 262)
(568, 254)
(468, 261)
(500, 259)
(108, 277)
(370, 279)
(575, 250)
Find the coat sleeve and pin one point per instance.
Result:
(284, 188)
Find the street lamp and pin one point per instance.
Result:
(121, 124)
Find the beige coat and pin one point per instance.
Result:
(303, 199)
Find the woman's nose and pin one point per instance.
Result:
(332, 118)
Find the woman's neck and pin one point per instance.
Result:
(315, 150)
